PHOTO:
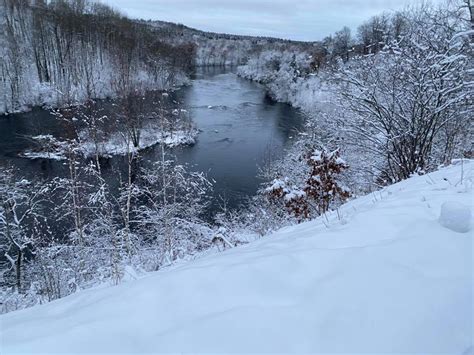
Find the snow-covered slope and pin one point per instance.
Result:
(385, 277)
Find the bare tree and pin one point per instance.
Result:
(404, 96)
(20, 223)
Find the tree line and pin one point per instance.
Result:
(67, 51)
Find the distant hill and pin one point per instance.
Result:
(222, 48)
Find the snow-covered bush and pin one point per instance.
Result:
(320, 189)
(279, 71)
(322, 185)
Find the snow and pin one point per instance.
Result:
(52, 148)
(277, 184)
(456, 217)
(43, 155)
(116, 144)
(294, 194)
(317, 156)
(177, 138)
(380, 276)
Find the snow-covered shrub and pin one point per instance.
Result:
(320, 190)
(279, 71)
(292, 197)
(322, 185)
(22, 226)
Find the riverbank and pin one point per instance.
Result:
(46, 96)
(389, 274)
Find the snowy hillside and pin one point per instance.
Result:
(386, 276)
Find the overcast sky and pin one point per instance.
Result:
(294, 19)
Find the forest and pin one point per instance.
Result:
(61, 53)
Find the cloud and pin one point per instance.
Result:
(294, 19)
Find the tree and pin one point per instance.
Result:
(403, 97)
(375, 33)
(170, 218)
(21, 224)
(342, 44)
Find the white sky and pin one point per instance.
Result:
(294, 19)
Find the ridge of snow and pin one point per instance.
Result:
(381, 275)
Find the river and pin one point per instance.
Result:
(239, 125)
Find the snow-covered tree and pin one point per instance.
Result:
(169, 219)
(404, 96)
(22, 223)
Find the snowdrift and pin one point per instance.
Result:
(385, 275)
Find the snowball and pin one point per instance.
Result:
(456, 216)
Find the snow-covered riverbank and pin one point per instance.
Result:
(116, 144)
(384, 275)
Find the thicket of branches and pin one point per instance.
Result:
(89, 226)
(411, 103)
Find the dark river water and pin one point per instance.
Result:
(239, 126)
